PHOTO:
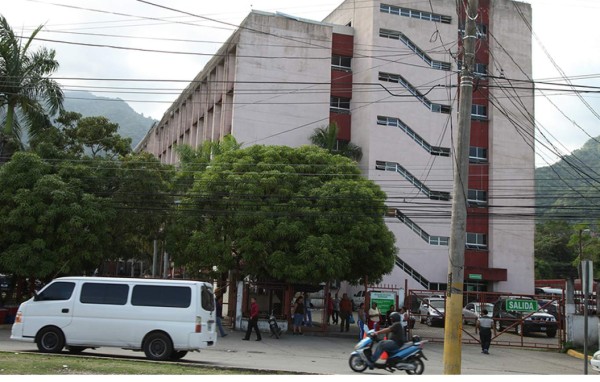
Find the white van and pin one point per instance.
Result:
(164, 318)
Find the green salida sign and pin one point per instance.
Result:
(522, 305)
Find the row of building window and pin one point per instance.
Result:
(398, 79)
(395, 122)
(473, 240)
(416, 14)
(396, 35)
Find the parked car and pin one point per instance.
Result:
(595, 361)
(550, 306)
(524, 315)
(472, 311)
(432, 310)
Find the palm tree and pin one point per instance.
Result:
(326, 137)
(25, 89)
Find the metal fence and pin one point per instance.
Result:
(527, 329)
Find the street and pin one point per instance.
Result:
(329, 355)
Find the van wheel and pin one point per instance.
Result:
(50, 340)
(158, 347)
(177, 355)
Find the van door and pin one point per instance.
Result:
(52, 306)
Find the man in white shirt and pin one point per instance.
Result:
(484, 325)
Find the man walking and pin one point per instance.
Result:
(484, 325)
(345, 312)
(253, 321)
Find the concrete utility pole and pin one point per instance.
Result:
(456, 257)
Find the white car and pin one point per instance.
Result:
(432, 310)
(472, 311)
(595, 361)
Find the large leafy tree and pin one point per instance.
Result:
(25, 89)
(327, 138)
(74, 136)
(49, 224)
(553, 256)
(558, 246)
(288, 214)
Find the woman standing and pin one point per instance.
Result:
(298, 315)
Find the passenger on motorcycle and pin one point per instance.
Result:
(394, 343)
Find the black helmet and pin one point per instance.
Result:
(395, 317)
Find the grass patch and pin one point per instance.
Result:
(14, 363)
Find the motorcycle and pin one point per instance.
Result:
(275, 329)
(408, 357)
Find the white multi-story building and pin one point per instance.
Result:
(387, 73)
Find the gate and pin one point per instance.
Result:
(532, 321)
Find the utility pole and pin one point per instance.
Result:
(456, 256)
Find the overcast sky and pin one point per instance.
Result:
(567, 29)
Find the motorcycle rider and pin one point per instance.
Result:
(394, 343)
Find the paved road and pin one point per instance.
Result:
(329, 355)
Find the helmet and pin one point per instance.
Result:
(395, 317)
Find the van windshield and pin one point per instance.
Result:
(207, 299)
(437, 303)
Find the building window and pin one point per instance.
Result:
(341, 62)
(439, 108)
(477, 198)
(479, 69)
(476, 241)
(339, 104)
(439, 240)
(478, 111)
(481, 30)
(477, 154)
(415, 14)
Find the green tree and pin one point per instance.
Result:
(288, 214)
(553, 256)
(140, 194)
(326, 138)
(49, 225)
(25, 86)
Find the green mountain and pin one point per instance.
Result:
(570, 189)
(131, 124)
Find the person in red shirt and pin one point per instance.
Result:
(253, 321)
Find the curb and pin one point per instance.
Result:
(577, 354)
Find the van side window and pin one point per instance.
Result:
(208, 300)
(57, 291)
(156, 295)
(102, 293)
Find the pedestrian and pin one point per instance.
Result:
(484, 325)
(308, 310)
(345, 312)
(404, 321)
(220, 316)
(362, 320)
(336, 309)
(329, 309)
(374, 317)
(298, 315)
(253, 321)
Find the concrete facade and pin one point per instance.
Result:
(278, 78)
